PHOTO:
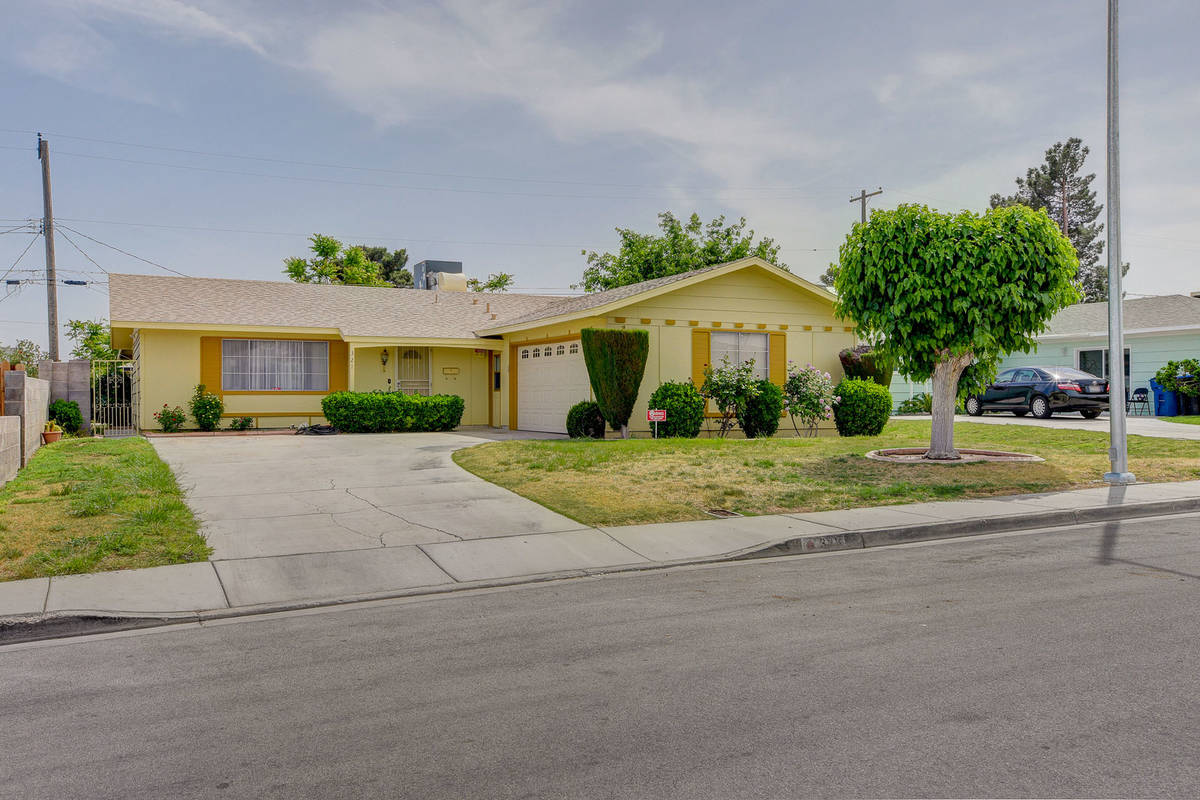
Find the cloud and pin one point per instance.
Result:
(173, 16)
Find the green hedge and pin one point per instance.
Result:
(584, 421)
(759, 415)
(66, 413)
(863, 409)
(684, 406)
(865, 362)
(392, 412)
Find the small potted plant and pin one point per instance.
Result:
(52, 432)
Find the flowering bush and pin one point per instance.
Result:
(170, 419)
(808, 394)
(207, 408)
(729, 386)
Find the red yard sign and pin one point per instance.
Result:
(656, 415)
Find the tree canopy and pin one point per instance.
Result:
(92, 338)
(1058, 187)
(937, 292)
(680, 247)
(332, 263)
(392, 265)
(25, 351)
(497, 282)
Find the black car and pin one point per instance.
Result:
(1041, 391)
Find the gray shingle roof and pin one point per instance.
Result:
(354, 310)
(1167, 311)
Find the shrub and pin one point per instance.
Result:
(729, 386)
(864, 408)
(919, 403)
(170, 419)
(808, 394)
(616, 362)
(584, 421)
(684, 406)
(66, 413)
(759, 415)
(241, 423)
(865, 362)
(207, 409)
(392, 412)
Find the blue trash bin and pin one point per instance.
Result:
(1165, 404)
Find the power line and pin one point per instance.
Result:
(123, 252)
(23, 252)
(80, 249)
(393, 171)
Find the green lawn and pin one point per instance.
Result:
(1186, 420)
(643, 480)
(90, 505)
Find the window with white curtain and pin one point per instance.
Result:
(739, 348)
(274, 365)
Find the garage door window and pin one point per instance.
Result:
(267, 365)
(740, 348)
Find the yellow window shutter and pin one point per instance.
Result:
(339, 366)
(778, 356)
(210, 363)
(700, 356)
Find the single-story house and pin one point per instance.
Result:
(274, 349)
(1157, 330)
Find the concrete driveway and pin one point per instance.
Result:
(1136, 425)
(281, 495)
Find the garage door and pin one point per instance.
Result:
(550, 379)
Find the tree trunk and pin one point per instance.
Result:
(625, 431)
(945, 396)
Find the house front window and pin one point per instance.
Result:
(1095, 361)
(274, 365)
(741, 347)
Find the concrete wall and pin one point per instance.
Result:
(29, 399)
(70, 380)
(10, 448)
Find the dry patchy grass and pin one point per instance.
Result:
(644, 480)
(90, 505)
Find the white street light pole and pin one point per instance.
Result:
(1118, 452)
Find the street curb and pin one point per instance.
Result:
(883, 537)
(65, 624)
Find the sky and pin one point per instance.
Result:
(213, 138)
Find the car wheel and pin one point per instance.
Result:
(1040, 407)
(1090, 413)
(974, 407)
(1020, 412)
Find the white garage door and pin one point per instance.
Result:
(550, 379)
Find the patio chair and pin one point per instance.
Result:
(1139, 398)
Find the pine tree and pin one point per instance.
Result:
(1067, 196)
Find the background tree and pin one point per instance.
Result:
(498, 282)
(92, 338)
(679, 248)
(27, 352)
(616, 362)
(939, 291)
(1066, 195)
(331, 263)
(392, 265)
(828, 278)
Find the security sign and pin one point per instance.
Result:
(656, 415)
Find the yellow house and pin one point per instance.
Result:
(273, 350)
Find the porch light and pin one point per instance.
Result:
(383, 357)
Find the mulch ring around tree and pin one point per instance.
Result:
(916, 455)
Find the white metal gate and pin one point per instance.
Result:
(413, 371)
(113, 399)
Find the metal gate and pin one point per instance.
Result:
(114, 403)
(414, 376)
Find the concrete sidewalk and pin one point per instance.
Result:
(272, 582)
(1154, 427)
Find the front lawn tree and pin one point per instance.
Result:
(938, 292)
(335, 264)
(616, 362)
(681, 247)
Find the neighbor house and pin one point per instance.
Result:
(1157, 330)
(273, 350)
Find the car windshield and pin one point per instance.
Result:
(1073, 374)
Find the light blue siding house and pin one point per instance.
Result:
(1157, 330)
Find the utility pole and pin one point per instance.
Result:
(1118, 452)
(862, 198)
(48, 235)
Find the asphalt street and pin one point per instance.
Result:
(1054, 663)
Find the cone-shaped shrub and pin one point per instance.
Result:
(616, 362)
